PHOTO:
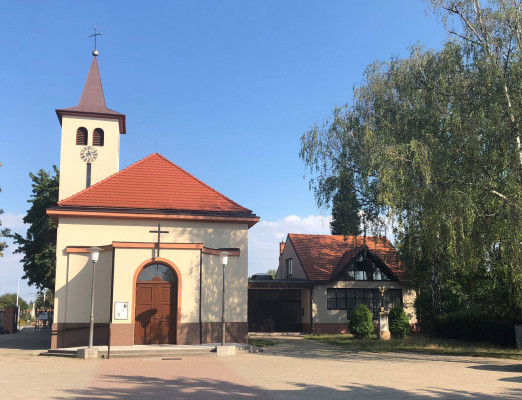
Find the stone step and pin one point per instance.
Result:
(166, 353)
(59, 353)
(158, 354)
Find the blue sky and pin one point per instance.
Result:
(222, 88)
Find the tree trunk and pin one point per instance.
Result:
(435, 287)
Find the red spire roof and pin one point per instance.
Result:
(154, 183)
(93, 100)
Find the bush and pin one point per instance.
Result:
(399, 323)
(361, 323)
(474, 328)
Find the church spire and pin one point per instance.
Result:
(92, 96)
(92, 102)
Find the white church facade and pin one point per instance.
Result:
(149, 287)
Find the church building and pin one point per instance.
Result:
(160, 232)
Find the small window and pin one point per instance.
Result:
(88, 183)
(288, 267)
(98, 137)
(157, 272)
(81, 136)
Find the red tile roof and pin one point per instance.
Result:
(93, 100)
(154, 183)
(323, 256)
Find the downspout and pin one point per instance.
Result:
(110, 308)
(200, 287)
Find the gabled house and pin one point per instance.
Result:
(322, 278)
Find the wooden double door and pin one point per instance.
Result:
(156, 309)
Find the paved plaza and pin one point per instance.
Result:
(292, 369)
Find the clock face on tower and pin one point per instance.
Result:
(88, 154)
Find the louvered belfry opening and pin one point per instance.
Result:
(81, 136)
(98, 137)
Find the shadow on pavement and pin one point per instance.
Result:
(26, 339)
(136, 387)
(499, 368)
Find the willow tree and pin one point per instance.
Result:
(426, 142)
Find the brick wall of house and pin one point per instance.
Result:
(9, 320)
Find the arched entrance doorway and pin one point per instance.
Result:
(156, 305)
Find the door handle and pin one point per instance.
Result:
(156, 317)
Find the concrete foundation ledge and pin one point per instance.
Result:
(87, 353)
(226, 350)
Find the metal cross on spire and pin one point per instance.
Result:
(95, 51)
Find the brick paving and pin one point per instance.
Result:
(292, 369)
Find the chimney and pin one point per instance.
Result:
(281, 247)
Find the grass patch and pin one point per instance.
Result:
(419, 344)
(260, 342)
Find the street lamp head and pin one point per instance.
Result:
(95, 253)
(223, 258)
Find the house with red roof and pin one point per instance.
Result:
(322, 278)
(159, 231)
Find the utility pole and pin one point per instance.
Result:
(17, 306)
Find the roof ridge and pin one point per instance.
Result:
(103, 180)
(203, 183)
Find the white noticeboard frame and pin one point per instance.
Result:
(121, 310)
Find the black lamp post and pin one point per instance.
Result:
(95, 253)
(223, 258)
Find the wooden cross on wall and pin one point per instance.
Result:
(159, 231)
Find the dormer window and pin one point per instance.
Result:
(81, 136)
(364, 269)
(98, 137)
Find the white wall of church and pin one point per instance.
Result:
(236, 299)
(73, 271)
(73, 170)
(127, 262)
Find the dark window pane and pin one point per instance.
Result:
(152, 270)
(331, 304)
(162, 269)
(168, 276)
(341, 304)
(144, 276)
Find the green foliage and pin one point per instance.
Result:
(345, 206)
(46, 301)
(475, 328)
(420, 344)
(3, 233)
(9, 300)
(39, 245)
(272, 273)
(433, 143)
(399, 323)
(361, 322)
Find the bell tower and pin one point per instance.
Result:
(90, 145)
